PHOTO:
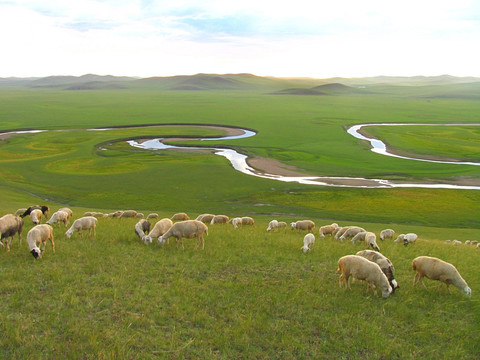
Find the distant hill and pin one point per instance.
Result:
(325, 89)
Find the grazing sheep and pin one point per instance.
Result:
(36, 216)
(128, 214)
(247, 220)
(160, 228)
(327, 230)
(282, 224)
(68, 211)
(180, 217)
(219, 219)
(384, 263)
(474, 242)
(359, 237)
(205, 218)
(478, 246)
(186, 229)
(84, 223)
(448, 241)
(236, 222)
(339, 231)
(351, 232)
(43, 208)
(58, 216)
(140, 215)
(117, 213)
(371, 240)
(38, 236)
(407, 238)
(436, 269)
(152, 216)
(457, 242)
(20, 211)
(387, 234)
(308, 241)
(9, 226)
(142, 228)
(307, 225)
(272, 225)
(362, 269)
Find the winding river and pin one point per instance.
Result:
(239, 161)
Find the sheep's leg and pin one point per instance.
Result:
(416, 278)
(340, 281)
(53, 244)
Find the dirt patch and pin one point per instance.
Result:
(274, 167)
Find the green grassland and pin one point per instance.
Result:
(250, 294)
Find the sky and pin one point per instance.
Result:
(296, 38)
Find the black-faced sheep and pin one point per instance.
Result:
(84, 223)
(43, 208)
(186, 229)
(436, 269)
(9, 226)
(37, 238)
(362, 269)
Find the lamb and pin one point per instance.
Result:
(272, 225)
(308, 241)
(327, 230)
(36, 216)
(371, 240)
(9, 226)
(38, 236)
(180, 216)
(359, 237)
(205, 218)
(128, 214)
(387, 234)
(44, 208)
(236, 222)
(363, 269)
(436, 269)
(58, 216)
(142, 228)
(407, 238)
(303, 225)
(351, 232)
(218, 219)
(152, 216)
(68, 211)
(384, 263)
(84, 223)
(160, 228)
(186, 229)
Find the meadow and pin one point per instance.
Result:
(249, 294)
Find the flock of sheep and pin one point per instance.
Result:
(368, 265)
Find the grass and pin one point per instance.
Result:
(249, 294)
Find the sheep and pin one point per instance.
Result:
(128, 214)
(407, 238)
(152, 216)
(9, 226)
(44, 208)
(218, 219)
(236, 222)
(474, 242)
(308, 241)
(38, 236)
(142, 228)
(20, 211)
(68, 211)
(160, 228)
(84, 223)
(371, 240)
(140, 215)
(93, 213)
(359, 237)
(272, 225)
(362, 269)
(351, 232)
(247, 220)
(339, 231)
(303, 225)
(457, 242)
(58, 216)
(186, 229)
(436, 269)
(327, 230)
(282, 224)
(117, 213)
(387, 234)
(205, 218)
(384, 263)
(180, 216)
(36, 216)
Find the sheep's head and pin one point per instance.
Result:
(147, 240)
(305, 248)
(36, 253)
(467, 291)
(293, 224)
(161, 240)
(68, 234)
(386, 291)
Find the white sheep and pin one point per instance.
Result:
(58, 216)
(84, 223)
(160, 228)
(436, 269)
(247, 220)
(387, 234)
(205, 218)
(142, 228)
(272, 225)
(327, 230)
(236, 222)
(128, 214)
(36, 216)
(9, 226)
(186, 229)
(457, 242)
(68, 211)
(351, 232)
(308, 241)
(303, 225)
(407, 238)
(20, 211)
(152, 216)
(371, 240)
(180, 216)
(384, 263)
(218, 219)
(359, 237)
(338, 232)
(140, 215)
(37, 238)
(362, 269)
